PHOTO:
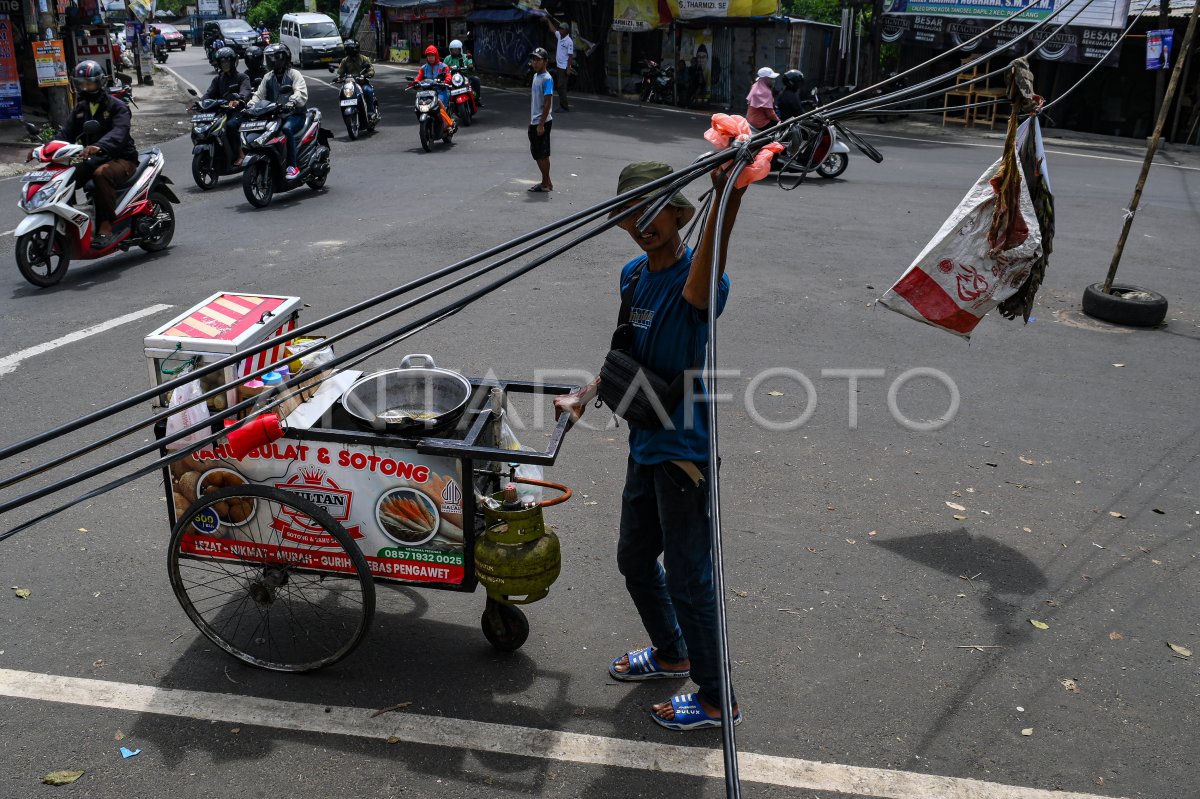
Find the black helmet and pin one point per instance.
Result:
(351, 48)
(278, 57)
(254, 57)
(226, 59)
(793, 79)
(89, 80)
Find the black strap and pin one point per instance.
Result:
(622, 339)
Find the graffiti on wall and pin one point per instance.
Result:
(504, 47)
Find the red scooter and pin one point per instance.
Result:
(56, 230)
(462, 98)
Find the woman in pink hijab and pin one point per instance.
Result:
(760, 101)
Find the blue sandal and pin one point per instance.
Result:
(644, 666)
(690, 715)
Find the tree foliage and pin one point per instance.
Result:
(816, 10)
(269, 12)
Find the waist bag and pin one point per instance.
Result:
(630, 389)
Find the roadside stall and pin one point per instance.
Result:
(404, 476)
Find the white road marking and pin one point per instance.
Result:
(9, 363)
(8, 232)
(505, 739)
(873, 135)
(182, 79)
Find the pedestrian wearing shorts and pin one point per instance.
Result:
(542, 97)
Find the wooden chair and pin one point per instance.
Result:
(964, 92)
(984, 94)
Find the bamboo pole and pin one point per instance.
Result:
(1152, 147)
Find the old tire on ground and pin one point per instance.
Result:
(1127, 305)
(264, 596)
(505, 626)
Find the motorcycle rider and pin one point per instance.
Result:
(230, 81)
(254, 64)
(434, 69)
(355, 63)
(112, 157)
(160, 43)
(282, 75)
(466, 65)
(790, 102)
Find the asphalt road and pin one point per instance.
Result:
(856, 593)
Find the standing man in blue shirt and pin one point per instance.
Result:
(664, 507)
(541, 118)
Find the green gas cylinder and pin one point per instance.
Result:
(517, 558)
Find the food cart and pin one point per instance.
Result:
(390, 477)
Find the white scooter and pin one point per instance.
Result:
(55, 230)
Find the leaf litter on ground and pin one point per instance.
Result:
(61, 777)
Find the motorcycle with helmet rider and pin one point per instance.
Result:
(217, 146)
(462, 61)
(358, 104)
(255, 69)
(286, 147)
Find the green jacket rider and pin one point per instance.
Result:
(461, 60)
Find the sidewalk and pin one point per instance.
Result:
(158, 117)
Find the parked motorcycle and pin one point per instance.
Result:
(462, 97)
(55, 230)
(122, 91)
(431, 115)
(264, 169)
(214, 149)
(353, 103)
(658, 82)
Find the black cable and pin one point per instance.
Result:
(453, 307)
(733, 788)
(143, 396)
(77, 452)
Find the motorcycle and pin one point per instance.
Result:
(462, 97)
(428, 108)
(122, 91)
(658, 83)
(264, 169)
(213, 148)
(353, 103)
(815, 146)
(55, 230)
(160, 53)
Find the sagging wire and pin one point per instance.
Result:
(354, 356)
(733, 788)
(18, 447)
(640, 198)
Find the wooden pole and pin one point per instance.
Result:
(1152, 147)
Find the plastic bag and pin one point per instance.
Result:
(529, 471)
(961, 275)
(187, 417)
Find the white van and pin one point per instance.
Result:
(311, 39)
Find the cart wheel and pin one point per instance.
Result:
(505, 626)
(272, 602)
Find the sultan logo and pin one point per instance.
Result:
(315, 486)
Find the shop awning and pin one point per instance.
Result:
(498, 15)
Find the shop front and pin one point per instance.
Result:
(409, 26)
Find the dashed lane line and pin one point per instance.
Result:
(505, 739)
(9, 363)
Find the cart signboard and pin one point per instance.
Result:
(403, 509)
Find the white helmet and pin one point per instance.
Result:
(455, 45)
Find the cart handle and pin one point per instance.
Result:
(546, 503)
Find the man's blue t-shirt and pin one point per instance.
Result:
(669, 335)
